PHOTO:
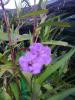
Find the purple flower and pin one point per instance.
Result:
(29, 63)
(34, 60)
(43, 53)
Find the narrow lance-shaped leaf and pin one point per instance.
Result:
(53, 67)
(58, 24)
(62, 95)
(14, 37)
(24, 87)
(36, 13)
(54, 42)
(15, 90)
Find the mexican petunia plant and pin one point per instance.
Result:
(32, 67)
(35, 59)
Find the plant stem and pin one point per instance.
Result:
(6, 19)
(34, 24)
(33, 92)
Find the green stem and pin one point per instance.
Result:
(33, 94)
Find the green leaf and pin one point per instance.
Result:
(3, 36)
(28, 77)
(15, 37)
(19, 54)
(36, 90)
(54, 42)
(58, 24)
(46, 30)
(24, 87)
(55, 66)
(4, 95)
(24, 37)
(48, 87)
(1, 55)
(36, 13)
(15, 90)
(6, 67)
(62, 95)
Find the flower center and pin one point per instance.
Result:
(30, 63)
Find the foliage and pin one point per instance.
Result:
(50, 83)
